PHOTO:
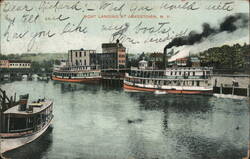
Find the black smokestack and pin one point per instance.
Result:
(229, 24)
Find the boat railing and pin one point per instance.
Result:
(21, 130)
(173, 69)
(77, 68)
(169, 77)
(16, 134)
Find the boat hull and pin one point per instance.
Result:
(8, 144)
(78, 80)
(173, 91)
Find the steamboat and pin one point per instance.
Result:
(80, 74)
(184, 80)
(81, 66)
(22, 122)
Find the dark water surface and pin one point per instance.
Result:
(92, 122)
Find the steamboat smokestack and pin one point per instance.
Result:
(165, 61)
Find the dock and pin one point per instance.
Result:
(233, 84)
(113, 77)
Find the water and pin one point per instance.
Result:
(92, 122)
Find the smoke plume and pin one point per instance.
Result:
(229, 24)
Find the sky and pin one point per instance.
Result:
(58, 26)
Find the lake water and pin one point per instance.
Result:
(92, 122)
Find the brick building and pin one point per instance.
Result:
(113, 56)
(81, 57)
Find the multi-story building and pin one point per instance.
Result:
(4, 63)
(113, 55)
(156, 60)
(15, 64)
(81, 57)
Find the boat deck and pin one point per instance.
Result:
(37, 108)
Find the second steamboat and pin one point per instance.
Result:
(80, 74)
(182, 80)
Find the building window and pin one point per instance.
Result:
(85, 62)
(198, 83)
(71, 56)
(76, 54)
(84, 53)
(80, 54)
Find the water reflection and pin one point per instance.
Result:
(194, 121)
(92, 121)
(71, 87)
(177, 103)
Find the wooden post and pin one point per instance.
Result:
(8, 126)
(221, 87)
(233, 90)
(248, 90)
(15, 98)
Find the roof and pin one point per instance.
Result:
(37, 108)
(143, 61)
(82, 50)
(182, 59)
(107, 45)
(156, 54)
(19, 61)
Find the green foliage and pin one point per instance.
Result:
(226, 57)
(44, 66)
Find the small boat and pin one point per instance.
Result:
(23, 122)
(159, 92)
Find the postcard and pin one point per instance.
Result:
(117, 79)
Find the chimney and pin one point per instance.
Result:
(23, 102)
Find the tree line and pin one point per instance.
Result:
(226, 57)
